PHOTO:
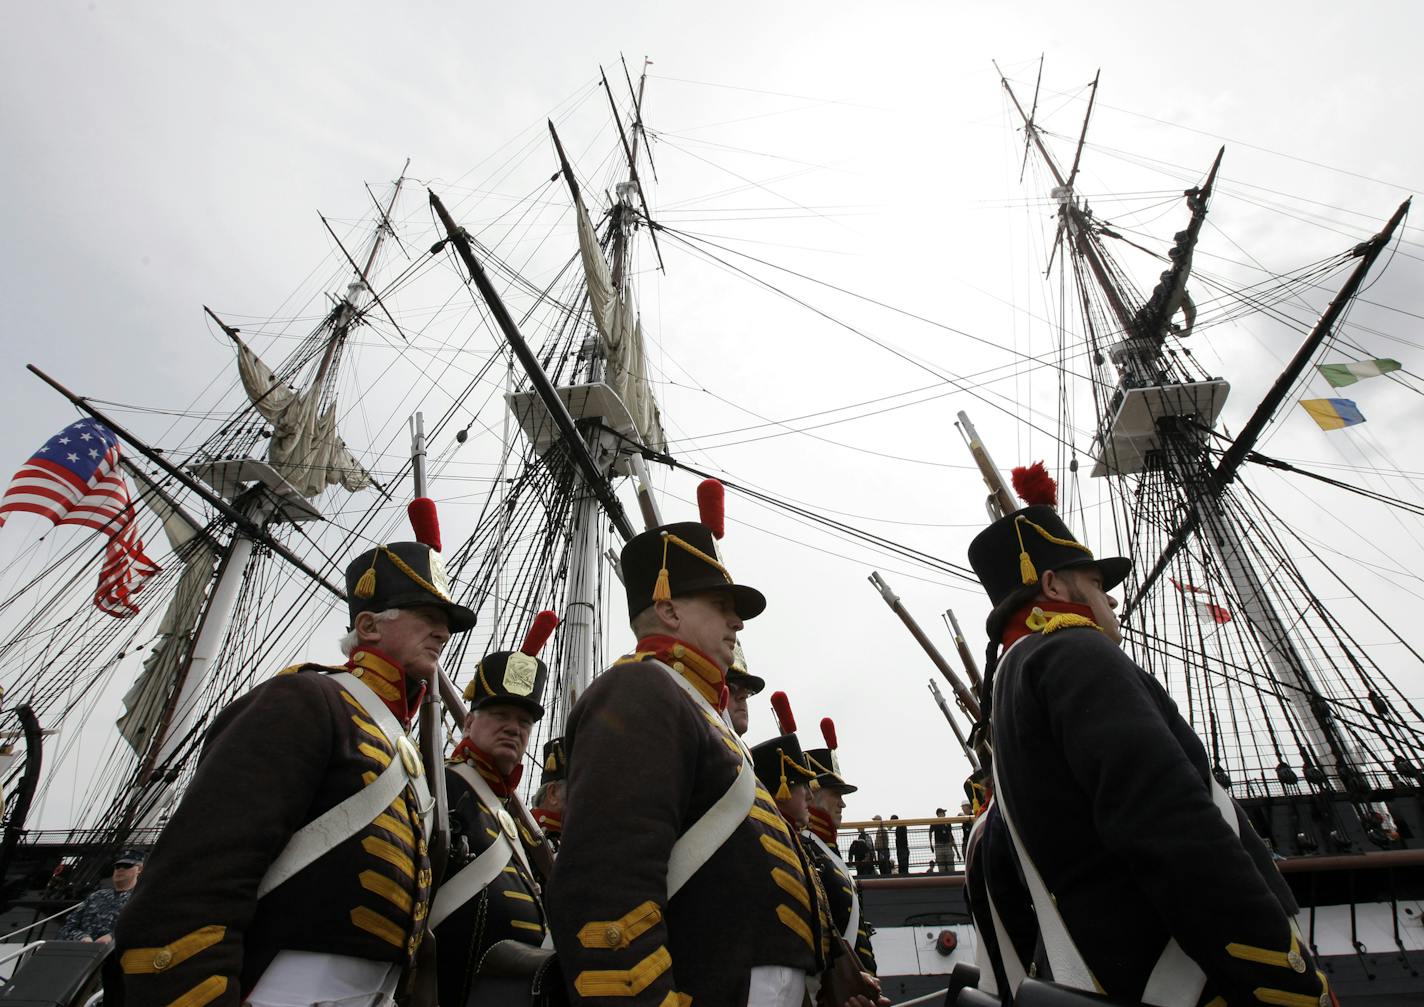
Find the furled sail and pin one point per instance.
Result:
(145, 701)
(305, 448)
(617, 320)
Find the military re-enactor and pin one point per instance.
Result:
(1112, 796)
(490, 892)
(742, 685)
(825, 816)
(649, 753)
(548, 810)
(224, 915)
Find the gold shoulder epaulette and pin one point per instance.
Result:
(637, 657)
(294, 668)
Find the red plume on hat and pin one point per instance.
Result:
(828, 731)
(1034, 485)
(424, 521)
(538, 634)
(712, 506)
(782, 707)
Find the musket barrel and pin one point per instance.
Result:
(961, 691)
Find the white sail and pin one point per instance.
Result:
(617, 320)
(305, 447)
(146, 699)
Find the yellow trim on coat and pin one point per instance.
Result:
(538, 928)
(386, 889)
(521, 896)
(1282, 998)
(398, 829)
(676, 999)
(147, 961)
(374, 923)
(392, 855)
(623, 982)
(769, 818)
(781, 851)
(792, 886)
(1289, 959)
(623, 931)
(204, 993)
(795, 924)
(374, 753)
(370, 729)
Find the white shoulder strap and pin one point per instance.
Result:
(852, 929)
(716, 825)
(338, 824)
(482, 790)
(1015, 971)
(470, 880)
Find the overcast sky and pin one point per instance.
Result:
(166, 156)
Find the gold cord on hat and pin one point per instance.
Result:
(662, 590)
(783, 792)
(1027, 572)
(366, 586)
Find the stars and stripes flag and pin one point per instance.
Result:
(75, 478)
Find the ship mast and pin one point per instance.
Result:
(1158, 419)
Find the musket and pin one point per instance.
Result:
(1000, 500)
(970, 666)
(954, 725)
(966, 699)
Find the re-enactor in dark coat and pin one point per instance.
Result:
(1111, 792)
(196, 932)
(646, 760)
(504, 696)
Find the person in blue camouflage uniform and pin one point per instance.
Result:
(94, 919)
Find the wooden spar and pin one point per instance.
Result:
(954, 725)
(248, 526)
(432, 718)
(966, 699)
(638, 110)
(970, 666)
(1083, 134)
(1033, 111)
(1245, 441)
(1072, 215)
(573, 443)
(632, 172)
(1001, 501)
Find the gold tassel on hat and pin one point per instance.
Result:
(783, 792)
(662, 590)
(1027, 572)
(366, 586)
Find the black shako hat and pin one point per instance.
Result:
(827, 763)
(738, 675)
(402, 575)
(514, 677)
(679, 559)
(556, 764)
(1015, 550)
(780, 765)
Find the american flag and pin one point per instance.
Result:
(75, 479)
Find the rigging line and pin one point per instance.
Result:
(774, 94)
(662, 135)
(908, 552)
(907, 358)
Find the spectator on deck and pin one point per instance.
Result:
(902, 845)
(94, 919)
(861, 855)
(942, 842)
(882, 848)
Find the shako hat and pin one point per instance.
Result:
(827, 763)
(514, 677)
(556, 764)
(779, 763)
(406, 574)
(1015, 550)
(737, 674)
(679, 559)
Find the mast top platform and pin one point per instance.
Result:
(593, 401)
(1135, 429)
(231, 477)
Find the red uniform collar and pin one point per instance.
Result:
(1024, 622)
(502, 786)
(821, 826)
(549, 821)
(693, 665)
(401, 694)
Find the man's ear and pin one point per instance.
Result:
(368, 627)
(1054, 585)
(666, 612)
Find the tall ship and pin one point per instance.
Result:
(505, 351)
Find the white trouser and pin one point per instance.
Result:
(311, 979)
(776, 986)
